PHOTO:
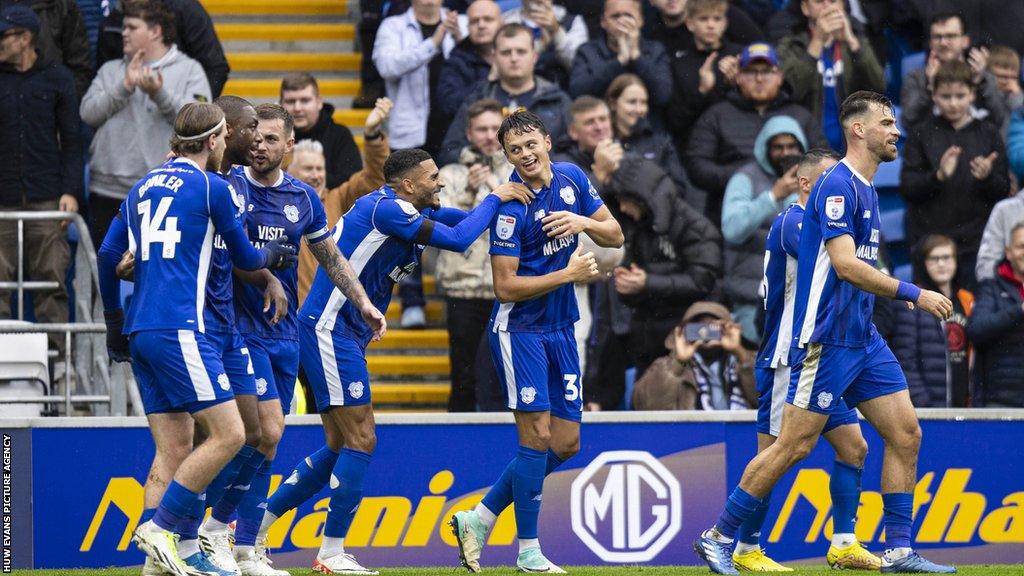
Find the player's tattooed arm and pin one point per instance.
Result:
(344, 278)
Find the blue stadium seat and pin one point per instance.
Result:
(903, 272)
(913, 62)
(888, 175)
(892, 225)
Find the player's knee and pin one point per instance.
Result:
(363, 440)
(566, 449)
(253, 434)
(907, 438)
(230, 436)
(854, 452)
(173, 453)
(799, 449)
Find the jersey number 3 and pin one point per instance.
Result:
(158, 228)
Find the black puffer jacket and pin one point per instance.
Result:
(677, 246)
(340, 149)
(996, 328)
(657, 147)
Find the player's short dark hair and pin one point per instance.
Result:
(153, 13)
(299, 81)
(815, 156)
(511, 30)
(860, 102)
(584, 104)
(482, 106)
(940, 17)
(953, 72)
(272, 111)
(521, 122)
(401, 162)
(193, 119)
(232, 107)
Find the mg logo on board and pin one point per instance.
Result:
(626, 506)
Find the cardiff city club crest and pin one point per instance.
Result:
(824, 400)
(291, 213)
(567, 195)
(835, 207)
(506, 225)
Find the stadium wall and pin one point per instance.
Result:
(639, 491)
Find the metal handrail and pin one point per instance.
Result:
(99, 353)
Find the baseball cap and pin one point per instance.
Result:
(758, 51)
(18, 16)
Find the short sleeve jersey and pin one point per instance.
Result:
(288, 209)
(172, 216)
(779, 286)
(220, 308)
(829, 310)
(377, 236)
(518, 230)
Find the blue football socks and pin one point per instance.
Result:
(527, 485)
(738, 508)
(177, 502)
(239, 487)
(349, 472)
(845, 489)
(308, 478)
(898, 518)
(250, 512)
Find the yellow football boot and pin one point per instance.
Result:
(853, 557)
(757, 561)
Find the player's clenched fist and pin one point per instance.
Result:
(935, 304)
(582, 266)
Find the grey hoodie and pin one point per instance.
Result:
(1005, 215)
(133, 130)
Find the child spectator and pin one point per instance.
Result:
(1004, 64)
(954, 169)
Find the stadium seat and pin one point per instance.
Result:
(888, 175)
(892, 225)
(913, 62)
(23, 356)
(903, 272)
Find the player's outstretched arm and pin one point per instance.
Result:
(115, 243)
(468, 226)
(509, 286)
(344, 278)
(601, 226)
(843, 253)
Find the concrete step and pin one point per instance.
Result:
(291, 7)
(228, 31)
(399, 339)
(411, 393)
(435, 312)
(289, 46)
(353, 118)
(271, 87)
(294, 61)
(432, 366)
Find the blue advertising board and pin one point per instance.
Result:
(641, 489)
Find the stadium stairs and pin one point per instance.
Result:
(265, 39)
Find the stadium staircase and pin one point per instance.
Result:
(265, 39)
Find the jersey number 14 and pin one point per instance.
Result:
(157, 228)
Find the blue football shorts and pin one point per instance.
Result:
(824, 374)
(540, 371)
(178, 371)
(772, 387)
(236, 359)
(276, 361)
(335, 365)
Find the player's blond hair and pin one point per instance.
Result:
(193, 121)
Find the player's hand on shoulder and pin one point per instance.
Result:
(935, 304)
(510, 191)
(374, 319)
(280, 254)
(562, 224)
(582, 266)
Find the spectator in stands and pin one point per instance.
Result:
(409, 53)
(758, 191)
(193, 33)
(62, 37)
(703, 71)
(621, 49)
(516, 86)
(827, 61)
(309, 164)
(947, 41)
(996, 328)
(314, 120)
(558, 33)
(132, 104)
(700, 374)
(667, 26)
(954, 169)
(465, 278)
(42, 167)
(934, 355)
(1004, 65)
(628, 101)
(1005, 215)
(472, 60)
(723, 138)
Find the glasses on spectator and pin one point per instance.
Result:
(940, 258)
(760, 73)
(945, 37)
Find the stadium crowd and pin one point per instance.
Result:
(688, 117)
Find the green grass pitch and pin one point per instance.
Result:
(975, 570)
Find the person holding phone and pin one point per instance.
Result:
(707, 367)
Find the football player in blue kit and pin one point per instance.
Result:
(383, 236)
(836, 352)
(535, 259)
(280, 206)
(171, 217)
(772, 372)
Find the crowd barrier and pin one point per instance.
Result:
(639, 491)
